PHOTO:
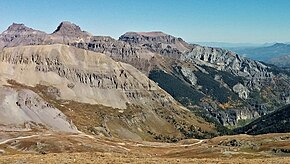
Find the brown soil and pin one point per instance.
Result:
(82, 148)
(117, 158)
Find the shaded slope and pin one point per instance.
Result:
(176, 87)
(276, 122)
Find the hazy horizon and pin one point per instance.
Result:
(247, 21)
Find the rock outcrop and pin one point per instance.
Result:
(241, 90)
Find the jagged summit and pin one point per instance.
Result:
(67, 26)
(69, 29)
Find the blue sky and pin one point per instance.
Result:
(255, 21)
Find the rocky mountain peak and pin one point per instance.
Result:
(69, 29)
(18, 28)
(19, 34)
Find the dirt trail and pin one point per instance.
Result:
(199, 142)
(169, 145)
(23, 137)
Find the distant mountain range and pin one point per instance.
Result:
(265, 53)
(233, 45)
(282, 61)
(273, 53)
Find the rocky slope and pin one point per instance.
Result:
(24, 110)
(228, 87)
(218, 84)
(99, 95)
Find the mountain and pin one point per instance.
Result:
(225, 86)
(281, 61)
(67, 32)
(69, 29)
(217, 84)
(19, 34)
(265, 53)
(157, 41)
(276, 122)
(231, 45)
(97, 94)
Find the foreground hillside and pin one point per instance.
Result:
(81, 148)
(104, 158)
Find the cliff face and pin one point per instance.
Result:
(78, 69)
(222, 84)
